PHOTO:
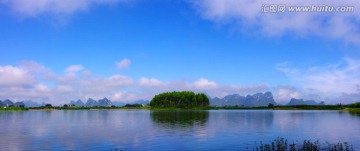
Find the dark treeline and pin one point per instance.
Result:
(183, 99)
(354, 105)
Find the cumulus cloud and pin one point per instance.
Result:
(74, 68)
(90, 86)
(150, 82)
(247, 16)
(203, 83)
(123, 64)
(117, 80)
(58, 8)
(11, 76)
(336, 79)
(284, 94)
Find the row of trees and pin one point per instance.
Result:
(183, 99)
(354, 105)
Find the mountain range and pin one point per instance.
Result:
(258, 99)
(294, 101)
(255, 100)
(104, 102)
(8, 102)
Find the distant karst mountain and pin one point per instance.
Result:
(143, 102)
(76, 103)
(91, 102)
(104, 102)
(7, 103)
(117, 103)
(294, 101)
(30, 103)
(258, 99)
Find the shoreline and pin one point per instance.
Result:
(353, 110)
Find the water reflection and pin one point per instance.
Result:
(355, 114)
(177, 119)
(252, 120)
(170, 130)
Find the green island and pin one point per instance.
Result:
(180, 100)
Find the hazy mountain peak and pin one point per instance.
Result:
(258, 99)
(294, 101)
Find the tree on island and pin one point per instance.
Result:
(183, 99)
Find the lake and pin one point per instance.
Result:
(171, 130)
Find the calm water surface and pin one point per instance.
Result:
(171, 130)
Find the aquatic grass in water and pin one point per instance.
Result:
(281, 144)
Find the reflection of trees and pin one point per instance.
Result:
(176, 119)
(355, 113)
(260, 119)
(251, 120)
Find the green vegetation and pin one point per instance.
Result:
(281, 144)
(13, 108)
(133, 105)
(181, 100)
(354, 105)
(353, 111)
(353, 108)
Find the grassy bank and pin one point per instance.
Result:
(354, 111)
(13, 109)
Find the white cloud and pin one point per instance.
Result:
(14, 76)
(247, 16)
(124, 97)
(123, 64)
(203, 83)
(118, 80)
(57, 8)
(286, 93)
(64, 89)
(74, 68)
(337, 78)
(150, 82)
(25, 82)
(42, 88)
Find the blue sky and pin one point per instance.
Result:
(56, 51)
